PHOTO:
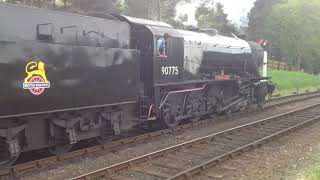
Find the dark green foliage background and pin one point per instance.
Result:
(292, 27)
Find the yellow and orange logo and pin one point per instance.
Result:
(36, 80)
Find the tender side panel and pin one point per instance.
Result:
(85, 59)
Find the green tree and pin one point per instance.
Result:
(34, 3)
(214, 17)
(257, 16)
(120, 6)
(164, 10)
(293, 27)
(106, 6)
(168, 13)
(205, 16)
(138, 8)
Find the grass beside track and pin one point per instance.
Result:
(312, 174)
(289, 82)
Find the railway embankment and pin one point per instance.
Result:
(292, 157)
(87, 164)
(312, 170)
(288, 82)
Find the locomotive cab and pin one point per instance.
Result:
(156, 69)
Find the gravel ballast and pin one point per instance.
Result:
(286, 158)
(85, 165)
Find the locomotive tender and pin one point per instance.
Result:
(68, 77)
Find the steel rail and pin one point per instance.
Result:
(20, 169)
(301, 121)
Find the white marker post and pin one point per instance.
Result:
(265, 64)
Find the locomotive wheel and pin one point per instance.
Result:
(261, 105)
(106, 140)
(168, 117)
(60, 149)
(8, 161)
(107, 133)
(172, 109)
(211, 106)
(195, 105)
(59, 142)
(5, 158)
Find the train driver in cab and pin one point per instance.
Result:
(161, 45)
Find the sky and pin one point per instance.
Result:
(234, 8)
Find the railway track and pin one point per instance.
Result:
(191, 158)
(291, 98)
(21, 169)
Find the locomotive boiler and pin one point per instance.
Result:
(67, 77)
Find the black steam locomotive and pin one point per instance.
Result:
(67, 77)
